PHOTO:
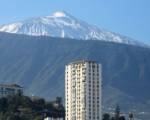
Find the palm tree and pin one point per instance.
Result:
(117, 112)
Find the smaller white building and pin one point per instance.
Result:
(50, 118)
(10, 89)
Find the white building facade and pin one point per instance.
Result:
(83, 90)
(50, 118)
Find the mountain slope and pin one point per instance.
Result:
(61, 24)
(38, 64)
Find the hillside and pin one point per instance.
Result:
(38, 64)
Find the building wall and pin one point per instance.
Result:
(83, 91)
(6, 90)
(49, 118)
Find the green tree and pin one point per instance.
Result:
(106, 116)
(24, 108)
(121, 118)
(130, 116)
(117, 112)
(3, 104)
(59, 100)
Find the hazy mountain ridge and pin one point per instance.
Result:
(64, 25)
(32, 62)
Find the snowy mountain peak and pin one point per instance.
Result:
(61, 24)
(59, 14)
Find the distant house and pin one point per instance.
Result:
(10, 89)
(50, 118)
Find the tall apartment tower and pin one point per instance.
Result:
(83, 90)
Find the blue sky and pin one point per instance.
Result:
(127, 17)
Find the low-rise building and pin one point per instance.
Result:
(10, 89)
(50, 118)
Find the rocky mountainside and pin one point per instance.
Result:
(38, 64)
(62, 24)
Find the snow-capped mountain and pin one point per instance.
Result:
(61, 24)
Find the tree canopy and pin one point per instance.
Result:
(25, 108)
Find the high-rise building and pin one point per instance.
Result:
(83, 90)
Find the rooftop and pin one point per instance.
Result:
(10, 85)
(82, 61)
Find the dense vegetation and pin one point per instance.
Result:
(116, 115)
(25, 108)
